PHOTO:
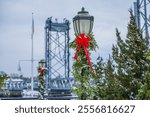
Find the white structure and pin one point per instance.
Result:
(14, 84)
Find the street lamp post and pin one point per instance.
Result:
(41, 71)
(83, 25)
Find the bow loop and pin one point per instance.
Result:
(83, 41)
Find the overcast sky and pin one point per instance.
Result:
(15, 27)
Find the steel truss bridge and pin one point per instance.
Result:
(58, 80)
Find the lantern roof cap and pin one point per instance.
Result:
(42, 61)
(82, 11)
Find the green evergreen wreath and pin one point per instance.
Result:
(42, 83)
(81, 69)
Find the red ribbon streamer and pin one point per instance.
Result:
(83, 41)
(42, 71)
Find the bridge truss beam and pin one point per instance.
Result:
(141, 10)
(56, 50)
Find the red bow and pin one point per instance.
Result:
(42, 71)
(83, 41)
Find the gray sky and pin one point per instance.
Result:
(15, 27)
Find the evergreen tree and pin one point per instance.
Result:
(130, 59)
(107, 86)
(113, 89)
(144, 91)
(3, 77)
(99, 81)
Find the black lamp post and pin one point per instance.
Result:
(83, 23)
(41, 71)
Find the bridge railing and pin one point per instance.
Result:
(62, 83)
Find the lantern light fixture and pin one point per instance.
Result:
(83, 22)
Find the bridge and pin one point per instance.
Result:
(58, 80)
(18, 89)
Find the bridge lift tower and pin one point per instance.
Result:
(142, 14)
(57, 53)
